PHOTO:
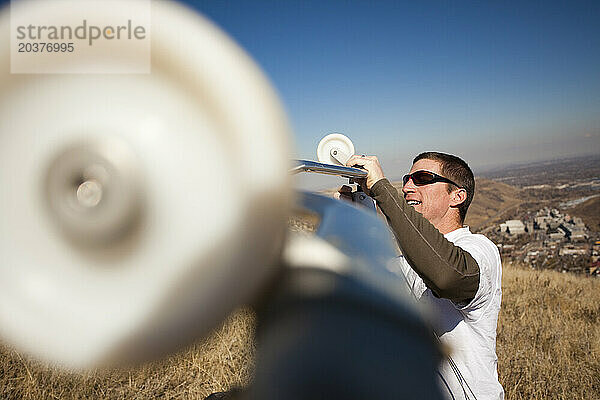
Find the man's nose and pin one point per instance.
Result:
(409, 187)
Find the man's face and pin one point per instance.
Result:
(433, 200)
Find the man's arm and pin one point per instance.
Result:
(449, 271)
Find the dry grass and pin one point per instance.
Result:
(548, 348)
(222, 361)
(549, 335)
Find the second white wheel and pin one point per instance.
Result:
(335, 142)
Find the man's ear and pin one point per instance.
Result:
(457, 197)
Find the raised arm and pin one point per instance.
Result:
(449, 271)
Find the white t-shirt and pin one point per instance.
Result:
(467, 330)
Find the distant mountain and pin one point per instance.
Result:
(554, 172)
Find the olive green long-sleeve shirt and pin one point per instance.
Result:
(449, 271)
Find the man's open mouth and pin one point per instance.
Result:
(413, 202)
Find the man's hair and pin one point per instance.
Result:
(457, 170)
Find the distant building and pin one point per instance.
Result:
(554, 224)
(543, 221)
(566, 231)
(578, 234)
(513, 226)
(529, 227)
(572, 251)
(578, 222)
(507, 248)
(556, 234)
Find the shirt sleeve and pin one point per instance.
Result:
(448, 270)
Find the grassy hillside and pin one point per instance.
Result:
(589, 211)
(548, 348)
(493, 201)
(549, 335)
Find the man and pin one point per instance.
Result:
(454, 271)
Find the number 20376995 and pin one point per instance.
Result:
(25, 47)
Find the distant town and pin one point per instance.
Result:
(551, 219)
(549, 239)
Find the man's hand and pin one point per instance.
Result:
(371, 164)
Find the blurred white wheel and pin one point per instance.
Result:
(136, 211)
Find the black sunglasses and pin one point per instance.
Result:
(421, 178)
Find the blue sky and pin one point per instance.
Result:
(495, 82)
